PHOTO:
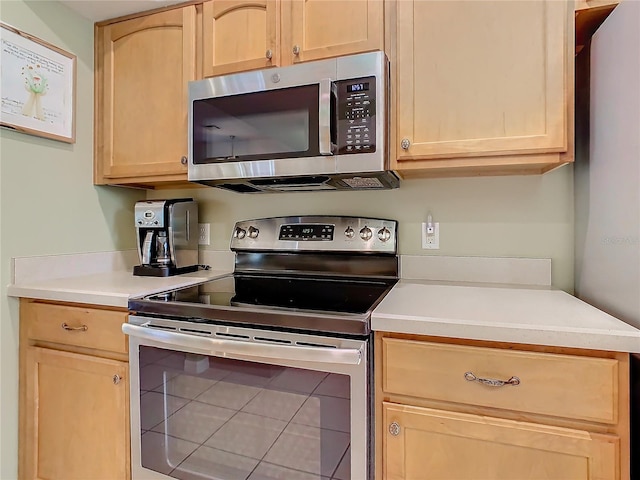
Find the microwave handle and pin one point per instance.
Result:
(324, 117)
(235, 348)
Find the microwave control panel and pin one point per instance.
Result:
(356, 112)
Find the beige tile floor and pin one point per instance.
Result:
(259, 422)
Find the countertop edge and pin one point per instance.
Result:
(68, 291)
(517, 334)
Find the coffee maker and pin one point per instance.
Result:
(167, 237)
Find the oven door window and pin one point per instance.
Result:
(257, 126)
(205, 417)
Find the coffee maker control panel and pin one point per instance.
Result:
(150, 215)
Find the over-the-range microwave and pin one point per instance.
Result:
(318, 125)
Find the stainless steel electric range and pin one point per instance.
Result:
(265, 373)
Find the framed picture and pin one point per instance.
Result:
(38, 86)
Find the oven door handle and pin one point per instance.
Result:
(263, 351)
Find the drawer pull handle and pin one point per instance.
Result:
(82, 328)
(116, 379)
(394, 429)
(490, 381)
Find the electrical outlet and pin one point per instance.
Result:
(431, 236)
(204, 233)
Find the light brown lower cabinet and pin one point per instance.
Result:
(426, 443)
(465, 410)
(74, 393)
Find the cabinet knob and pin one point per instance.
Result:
(269, 54)
(296, 50)
(405, 144)
(183, 160)
(394, 429)
(116, 379)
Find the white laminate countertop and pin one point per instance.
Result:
(515, 315)
(108, 288)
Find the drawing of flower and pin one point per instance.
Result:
(35, 82)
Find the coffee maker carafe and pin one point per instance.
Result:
(167, 237)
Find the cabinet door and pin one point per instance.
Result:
(422, 443)
(319, 28)
(77, 416)
(480, 78)
(144, 65)
(240, 35)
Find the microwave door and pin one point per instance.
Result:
(263, 125)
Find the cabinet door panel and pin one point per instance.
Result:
(481, 78)
(77, 421)
(238, 34)
(328, 28)
(440, 444)
(145, 95)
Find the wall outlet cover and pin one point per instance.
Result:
(430, 236)
(204, 233)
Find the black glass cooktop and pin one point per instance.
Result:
(326, 295)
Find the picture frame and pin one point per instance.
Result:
(38, 86)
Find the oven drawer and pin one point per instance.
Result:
(569, 386)
(77, 326)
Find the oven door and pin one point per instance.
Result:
(216, 402)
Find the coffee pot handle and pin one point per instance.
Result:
(146, 248)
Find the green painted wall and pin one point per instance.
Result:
(48, 204)
(524, 216)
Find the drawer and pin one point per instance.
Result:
(78, 326)
(569, 386)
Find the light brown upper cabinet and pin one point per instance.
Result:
(314, 29)
(240, 35)
(481, 87)
(143, 66)
(245, 35)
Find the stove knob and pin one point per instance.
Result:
(384, 234)
(366, 233)
(349, 232)
(239, 233)
(253, 232)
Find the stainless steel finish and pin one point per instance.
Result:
(116, 378)
(405, 144)
(296, 50)
(184, 160)
(491, 382)
(269, 54)
(343, 240)
(338, 167)
(246, 349)
(324, 117)
(358, 373)
(82, 328)
(394, 429)
(149, 214)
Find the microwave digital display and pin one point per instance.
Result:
(358, 87)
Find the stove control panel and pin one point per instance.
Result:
(316, 233)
